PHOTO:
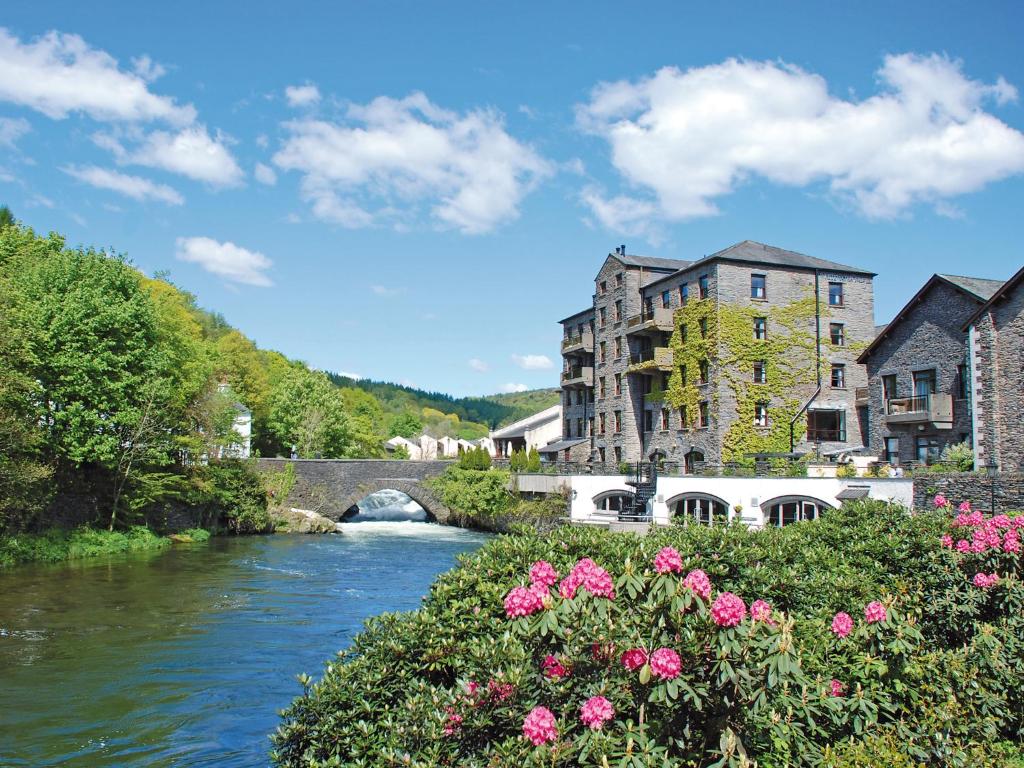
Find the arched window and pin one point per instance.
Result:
(694, 461)
(792, 509)
(614, 502)
(700, 508)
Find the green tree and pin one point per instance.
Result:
(6, 217)
(367, 420)
(405, 424)
(307, 411)
(533, 461)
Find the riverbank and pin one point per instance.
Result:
(57, 544)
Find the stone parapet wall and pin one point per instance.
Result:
(1005, 489)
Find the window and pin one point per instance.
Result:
(703, 372)
(704, 421)
(618, 310)
(666, 299)
(703, 510)
(579, 428)
(702, 286)
(703, 327)
(618, 384)
(761, 328)
(760, 372)
(604, 351)
(682, 417)
(758, 284)
(590, 425)
(761, 415)
(826, 426)
(664, 419)
(835, 294)
(601, 386)
(618, 347)
(602, 287)
(648, 421)
(928, 450)
(682, 333)
(835, 332)
(618, 422)
(618, 280)
(888, 388)
(600, 423)
(793, 510)
(838, 376)
(600, 456)
(924, 383)
(600, 316)
(892, 450)
(684, 293)
(617, 452)
(961, 382)
(664, 382)
(682, 375)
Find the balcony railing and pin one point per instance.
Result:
(651, 359)
(583, 341)
(861, 396)
(651, 319)
(578, 377)
(921, 409)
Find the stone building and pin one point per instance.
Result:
(996, 352)
(918, 385)
(714, 360)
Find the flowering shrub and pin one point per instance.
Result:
(626, 661)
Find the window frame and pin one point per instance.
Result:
(840, 294)
(758, 292)
(833, 335)
(760, 329)
(838, 368)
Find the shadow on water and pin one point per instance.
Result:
(184, 657)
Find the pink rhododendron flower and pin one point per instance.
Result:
(940, 500)
(842, 624)
(1017, 522)
(453, 723)
(522, 602)
(668, 560)
(542, 572)
(472, 687)
(947, 541)
(963, 546)
(553, 668)
(836, 688)
(965, 506)
(761, 611)
(874, 612)
(986, 580)
(728, 610)
(498, 692)
(665, 664)
(589, 575)
(596, 711)
(634, 658)
(539, 726)
(1011, 542)
(1001, 521)
(698, 581)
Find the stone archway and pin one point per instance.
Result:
(426, 498)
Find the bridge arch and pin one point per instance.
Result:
(421, 494)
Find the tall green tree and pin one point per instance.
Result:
(308, 412)
(6, 217)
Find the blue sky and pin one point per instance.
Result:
(417, 192)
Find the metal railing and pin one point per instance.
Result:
(900, 405)
(826, 436)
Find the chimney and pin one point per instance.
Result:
(623, 249)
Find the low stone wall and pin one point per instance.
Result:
(1004, 492)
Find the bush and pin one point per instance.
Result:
(232, 495)
(931, 670)
(474, 494)
(476, 458)
(846, 470)
(58, 544)
(533, 461)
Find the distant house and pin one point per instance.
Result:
(534, 431)
(241, 448)
(413, 448)
(917, 368)
(428, 448)
(447, 447)
(995, 334)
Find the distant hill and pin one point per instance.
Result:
(493, 411)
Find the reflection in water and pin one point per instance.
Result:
(388, 505)
(183, 658)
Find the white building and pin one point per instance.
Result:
(241, 447)
(534, 431)
(413, 448)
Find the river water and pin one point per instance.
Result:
(184, 657)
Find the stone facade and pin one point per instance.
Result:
(1003, 493)
(635, 314)
(926, 338)
(996, 340)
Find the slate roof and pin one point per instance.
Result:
(652, 262)
(1000, 292)
(981, 287)
(561, 445)
(519, 428)
(760, 253)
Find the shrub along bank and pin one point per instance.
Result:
(482, 498)
(865, 638)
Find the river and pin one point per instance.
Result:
(184, 657)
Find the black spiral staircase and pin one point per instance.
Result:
(645, 484)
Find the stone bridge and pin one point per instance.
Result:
(333, 486)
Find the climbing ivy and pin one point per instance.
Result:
(731, 351)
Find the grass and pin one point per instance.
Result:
(56, 544)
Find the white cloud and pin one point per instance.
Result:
(262, 141)
(191, 152)
(392, 157)
(265, 175)
(12, 129)
(39, 201)
(383, 290)
(682, 139)
(227, 260)
(512, 387)
(135, 187)
(533, 362)
(302, 95)
(58, 74)
(478, 365)
(350, 375)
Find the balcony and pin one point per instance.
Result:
(656, 320)
(861, 396)
(922, 409)
(650, 360)
(583, 342)
(575, 378)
